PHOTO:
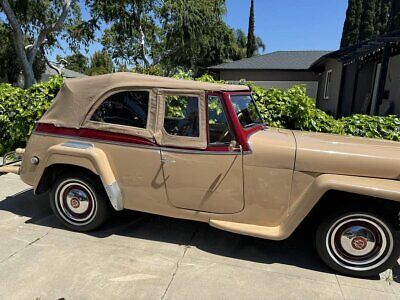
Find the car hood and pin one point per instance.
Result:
(346, 155)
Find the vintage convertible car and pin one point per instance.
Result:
(200, 151)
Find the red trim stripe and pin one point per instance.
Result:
(111, 136)
(93, 134)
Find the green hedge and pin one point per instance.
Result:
(20, 109)
(292, 109)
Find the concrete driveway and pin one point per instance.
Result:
(142, 256)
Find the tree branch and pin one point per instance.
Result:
(57, 26)
(19, 39)
(16, 26)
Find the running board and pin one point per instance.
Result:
(270, 233)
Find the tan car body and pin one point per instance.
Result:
(265, 191)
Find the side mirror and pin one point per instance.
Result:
(233, 146)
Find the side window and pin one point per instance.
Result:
(128, 108)
(219, 132)
(182, 116)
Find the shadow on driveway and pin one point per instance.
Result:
(297, 250)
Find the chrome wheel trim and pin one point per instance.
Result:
(378, 247)
(75, 202)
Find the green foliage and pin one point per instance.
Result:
(394, 23)
(100, 63)
(76, 62)
(351, 28)
(371, 126)
(367, 19)
(195, 35)
(251, 38)
(20, 109)
(293, 109)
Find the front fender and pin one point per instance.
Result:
(374, 187)
(86, 155)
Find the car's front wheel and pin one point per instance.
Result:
(79, 202)
(357, 243)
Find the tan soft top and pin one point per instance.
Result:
(77, 96)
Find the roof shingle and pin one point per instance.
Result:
(279, 60)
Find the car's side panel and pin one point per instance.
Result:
(204, 181)
(137, 170)
(382, 188)
(268, 171)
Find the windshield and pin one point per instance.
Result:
(246, 110)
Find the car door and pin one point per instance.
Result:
(200, 172)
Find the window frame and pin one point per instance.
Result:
(165, 139)
(328, 81)
(208, 121)
(147, 132)
(198, 114)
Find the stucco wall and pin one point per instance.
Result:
(330, 105)
(393, 83)
(277, 79)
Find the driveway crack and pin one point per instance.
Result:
(26, 246)
(178, 263)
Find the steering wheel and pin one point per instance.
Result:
(224, 135)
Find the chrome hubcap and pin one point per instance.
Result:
(75, 202)
(359, 242)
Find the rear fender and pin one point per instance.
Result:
(86, 155)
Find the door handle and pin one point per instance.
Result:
(166, 160)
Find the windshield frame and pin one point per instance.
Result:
(251, 125)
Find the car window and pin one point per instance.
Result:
(129, 108)
(218, 127)
(246, 110)
(182, 116)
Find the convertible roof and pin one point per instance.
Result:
(78, 95)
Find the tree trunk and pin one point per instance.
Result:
(28, 57)
(27, 69)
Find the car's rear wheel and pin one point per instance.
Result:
(79, 202)
(357, 243)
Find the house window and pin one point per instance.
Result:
(128, 108)
(182, 116)
(327, 84)
(218, 127)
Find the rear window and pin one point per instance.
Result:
(128, 108)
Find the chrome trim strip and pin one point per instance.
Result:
(115, 195)
(177, 150)
(140, 146)
(78, 145)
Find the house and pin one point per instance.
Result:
(45, 76)
(66, 73)
(280, 69)
(363, 78)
